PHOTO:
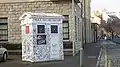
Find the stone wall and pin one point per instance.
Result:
(13, 11)
(78, 23)
(88, 22)
(78, 28)
(8, 1)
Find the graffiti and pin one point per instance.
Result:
(54, 45)
(39, 47)
(41, 39)
(41, 54)
(34, 30)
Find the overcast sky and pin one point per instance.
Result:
(110, 5)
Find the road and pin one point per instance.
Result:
(90, 55)
(15, 61)
(112, 54)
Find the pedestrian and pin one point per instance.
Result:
(105, 38)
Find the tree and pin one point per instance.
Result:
(112, 22)
(99, 14)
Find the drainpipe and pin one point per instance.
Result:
(73, 20)
(85, 20)
(81, 47)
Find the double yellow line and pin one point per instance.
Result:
(107, 60)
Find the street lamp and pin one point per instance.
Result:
(81, 47)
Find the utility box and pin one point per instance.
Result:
(42, 37)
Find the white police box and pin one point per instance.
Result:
(42, 37)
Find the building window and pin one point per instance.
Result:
(79, 30)
(76, 28)
(3, 30)
(66, 28)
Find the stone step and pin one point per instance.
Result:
(68, 52)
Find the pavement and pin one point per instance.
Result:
(90, 56)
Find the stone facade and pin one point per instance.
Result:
(87, 16)
(77, 20)
(13, 11)
(8, 1)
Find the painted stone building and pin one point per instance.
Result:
(87, 31)
(72, 10)
(95, 28)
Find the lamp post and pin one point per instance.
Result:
(83, 30)
(81, 56)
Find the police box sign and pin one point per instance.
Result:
(46, 19)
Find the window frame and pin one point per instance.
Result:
(6, 29)
(56, 31)
(66, 20)
(38, 32)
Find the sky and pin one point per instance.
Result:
(110, 5)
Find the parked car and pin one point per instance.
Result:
(3, 54)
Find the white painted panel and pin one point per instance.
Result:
(51, 50)
(55, 49)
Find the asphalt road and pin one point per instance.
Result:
(112, 53)
(90, 55)
(15, 61)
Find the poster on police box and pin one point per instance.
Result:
(41, 39)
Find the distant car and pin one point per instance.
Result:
(3, 54)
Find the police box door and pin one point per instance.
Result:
(54, 41)
(41, 34)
